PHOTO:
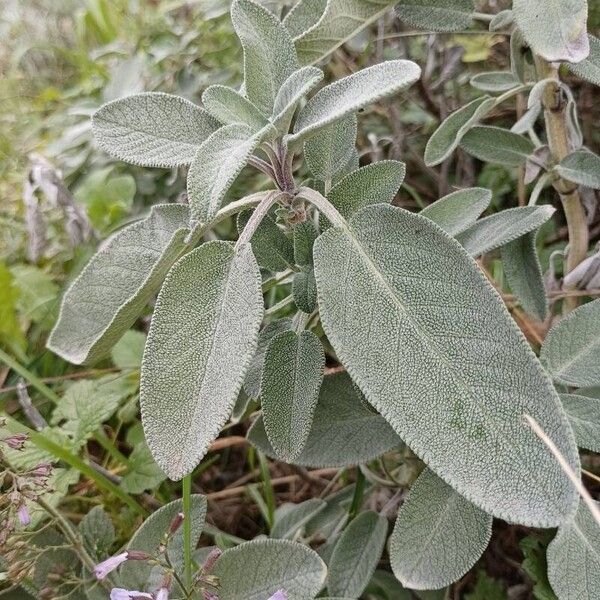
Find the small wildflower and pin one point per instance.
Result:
(162, 594)
(211, 559)
(102, 569)
(16, 441)
(137, 555)
(41, 470)
(279, 595)
(23, 514)
(176, 522)
(121, 594)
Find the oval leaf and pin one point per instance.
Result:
(589, 68)
(400, 302)
(495, 81)
(202, 337)
(571, 351)
(292, 375)
(228, 106)
(438, 536)
(584, 416)
(438, 15)
(497, 145)
(582, 167)
(152, 129)
(110, 293)
(293, 517)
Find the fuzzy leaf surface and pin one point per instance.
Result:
(555, 29)
(295, 516)
(495, 81)
(497, 145)
(269, 565)
(411, 331)
(152, 129)
(437, 15)
(292, 375)
(499, 229)
(356, 555)
(571, 350)
(582, 167)
(589, 68)
(347, 95)
(344, 430)
(229, 106)
(304, 15)
(438, 536)
(457, 211)
(304, 290)
(110, 293)
(574, 558)
(202, 337)
(269, 52)
(584, 416)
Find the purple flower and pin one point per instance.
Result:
(279, 595)
(121, 594)
(23, 514)
(16, 441)
(211, 559)
(102, 569)
(162, 594)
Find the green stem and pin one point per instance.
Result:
(187, 530)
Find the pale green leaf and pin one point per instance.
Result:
(293, 89)
(518, 49)
(268, 566)
(447, 136)
(305, 235)
(269, 52)
(97, 532)
(438, 536)
(255, 368)
(304, 290)
(400, 302)
(217, 163)
(501, 228)
(205, 325)
(339, 22)
(502, 20)
(142, 471)
(152, 129)
(584, 416)
(347, 95)
(344, 431)
(37, 293)
(582, 167)
(331, 148)
(571, 351)
(356, 555)
(304, 15)
(555, 29)
(229, 106)
(110, 293)
(292, 375)
(294, 517)
(137, 574)
(373, 184)
(495, 81)
(496, 145)
(457, 211)
(524, 274)
(436, 15)
(589, 68)
(574, 558)
(128, 351)
(384, 586)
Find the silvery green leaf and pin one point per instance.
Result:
(501, 228)
(502, 20)
(495, 81)
(273, 249)
(457, 211)
(386, 587)
(205, 325)
(527, 121)
(269, 52)
(135, 574)
(331, 148)
(411, 333)
(255, 368)
(574, 558)
(347, 95)
(291, 380)
(584, 416)
(447, 136)
(110, 293)
(128, 351)
(571, 351)
(256, 570)
(555, 29)
(293, 89)
(582, 167)
(305, 235)
(589, 68)
(518, 47)
(229, 106)
(152, 129)
(97, 532)
(341, 21)
(356, 555)
(217, 163)
(373, 184)
(304, 290)
(344, 430)
(295, 517)
(524, 274)
(438, 536)
(497, 145)
(437, 15)
(304, 15)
